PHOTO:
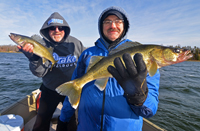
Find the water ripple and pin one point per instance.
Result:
(179, 93)
(179, 97)
(15, 78)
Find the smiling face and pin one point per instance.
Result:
(112, 30)
(56, 34)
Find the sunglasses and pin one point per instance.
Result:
(60, 28)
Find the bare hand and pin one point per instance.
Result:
(27, 50)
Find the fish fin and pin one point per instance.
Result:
(71, 90)
(153, 68)
(38, 39)
(93, 61)
(43, 60)
(124, 46)
(101, 83)
(50, 49)
(53, 65)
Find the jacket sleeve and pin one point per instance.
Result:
(150, 106)
(67, 111)
(36, 66)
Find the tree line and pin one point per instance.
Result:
(9, 48)
(195, 50)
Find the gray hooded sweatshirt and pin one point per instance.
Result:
(65, 52)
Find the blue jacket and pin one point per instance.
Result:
(118, 114)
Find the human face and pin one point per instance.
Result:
(56, 34)
(113, 31)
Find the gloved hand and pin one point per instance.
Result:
(132, 78)
(61, 126)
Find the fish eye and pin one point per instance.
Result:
(177, 50)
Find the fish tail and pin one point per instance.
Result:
(53, 65)
(72, 90)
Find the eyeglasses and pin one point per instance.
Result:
(109, 22)
(60, 28)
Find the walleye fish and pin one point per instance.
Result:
(38, 49)
(154, 56)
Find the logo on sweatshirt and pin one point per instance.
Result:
(55, 21)
(64, 61)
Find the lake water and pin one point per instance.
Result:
(179, 98)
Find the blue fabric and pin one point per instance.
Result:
(67, 111)
(118, 114)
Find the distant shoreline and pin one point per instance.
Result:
(21, 52)
(10, 52)
(194, 60)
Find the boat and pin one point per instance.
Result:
(27, 109)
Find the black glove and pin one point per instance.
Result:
(61, 126)
(132, 78)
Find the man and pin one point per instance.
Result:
(128, 97)
(67, 49)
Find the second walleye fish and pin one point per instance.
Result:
(154, 56)
(38, 49)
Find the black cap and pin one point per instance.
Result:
(112, 12)
(120, 16)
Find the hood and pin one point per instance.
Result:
(54, 20)
(119, 11)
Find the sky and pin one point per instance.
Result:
(163, 22)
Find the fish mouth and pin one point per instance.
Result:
(16, 39)
(12, 37)
(187, 54)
